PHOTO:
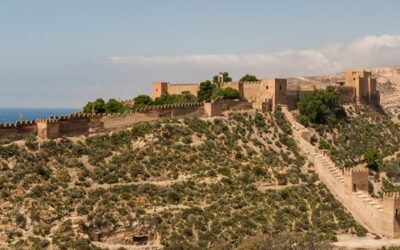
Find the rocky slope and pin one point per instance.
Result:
(388, 79)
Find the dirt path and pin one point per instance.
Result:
(354, 242)
(160, 182)
(128, 247)
(266, 186)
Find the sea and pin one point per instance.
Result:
(11, 115)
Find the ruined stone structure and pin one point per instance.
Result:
(350, 187)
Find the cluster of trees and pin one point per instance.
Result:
(321, 107)
(208, 90)
(100, 106)
(212, 89)
(145, 100)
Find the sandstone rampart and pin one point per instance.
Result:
(79, 124)
(350, 187)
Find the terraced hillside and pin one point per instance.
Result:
(181, 184)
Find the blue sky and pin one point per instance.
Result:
(57, 53)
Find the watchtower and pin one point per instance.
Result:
(159, 89)
(391, 214)
(48, 129)
(355, 179)
(272, 92)
(364, 85)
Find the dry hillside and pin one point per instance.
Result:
(181, 184)
(364, 129)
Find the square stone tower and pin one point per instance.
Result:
(48, 129)
(391, 215)
(355, 179)
(364, 85)
(159, 89)
(272, 92)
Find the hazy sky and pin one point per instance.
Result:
(62, 53)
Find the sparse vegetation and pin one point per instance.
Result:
(196, 183)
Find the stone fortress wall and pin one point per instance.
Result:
(350, 187)
(85, 124)
(19, 129)
(264, 95)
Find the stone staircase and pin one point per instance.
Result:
(369, 200)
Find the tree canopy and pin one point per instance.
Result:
(205, 92)
(371, 159)
(321, 107)
(248, 78)
(226, 76)
(143, 100)
(98, 106)
(114, 106)
(228, 93)
(184, 97)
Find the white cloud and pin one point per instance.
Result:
(370, 51)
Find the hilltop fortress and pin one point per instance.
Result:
(358, 87)
(264, 95)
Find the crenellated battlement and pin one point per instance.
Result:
(392, 195)
(183, 84)
(22, 123)
(355, 170)
(7, 125)
(48, 120)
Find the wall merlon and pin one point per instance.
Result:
(29, 122)
(358, 169)
(253, 82)
(392, 195)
